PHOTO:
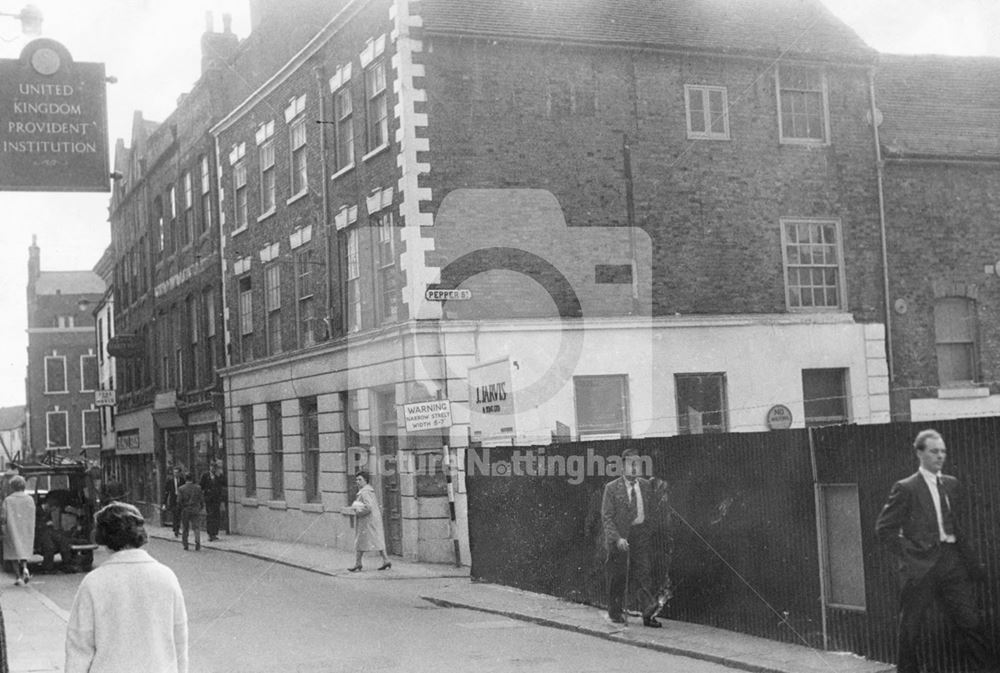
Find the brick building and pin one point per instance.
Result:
(631, 228)
(941, 151)
(167, 340)
(62, 372)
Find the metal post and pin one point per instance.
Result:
(820, 541)
(451, 505)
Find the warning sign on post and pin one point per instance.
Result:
(53, 122)
(427, 415)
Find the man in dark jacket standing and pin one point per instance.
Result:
(213, 486)
(935, 560)
(190, 501)
(170, 489)
(626, 507)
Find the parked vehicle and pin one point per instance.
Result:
(71, 489)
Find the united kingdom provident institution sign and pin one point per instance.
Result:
(53, 122)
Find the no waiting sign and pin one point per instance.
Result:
(427, 415)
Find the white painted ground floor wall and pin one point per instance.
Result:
(761, 356)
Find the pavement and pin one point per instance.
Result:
(36, 627)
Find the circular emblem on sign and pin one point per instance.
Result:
(779, 417)
(45, 61)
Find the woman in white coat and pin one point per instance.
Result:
(128, 614)
(18, 518)
(368, 532)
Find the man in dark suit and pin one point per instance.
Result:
(170, 490)
(920, 524)
(213, 486)
(625, 510)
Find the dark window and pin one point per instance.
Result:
(601, 405)
(955, 340)
(825, 394)
(701, 403)
(249, 457)
(276, 449)
(309, 416)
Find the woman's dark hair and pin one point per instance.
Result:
(120, 525)
(364, 474)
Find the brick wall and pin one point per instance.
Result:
(712, 208)
(941, 230)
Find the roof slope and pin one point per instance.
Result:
(764, 27)
(69, 282)
(939, 105)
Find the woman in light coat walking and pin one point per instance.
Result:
(368, 532)
(18, 518)
(128, 614)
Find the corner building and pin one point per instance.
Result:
(571, 220)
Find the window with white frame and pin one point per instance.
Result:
(177, 319)
(802, 105)
(205, 219)
(56, 430)
(174, 242)
(601, 405)
(188, 215)
(240, 200)
(813, 270)
(343, 112)
(89, 379)
(378, 105)
(91, 427)
(194, 340)
(268, 180)
(297, 142)
(55, 374)
(272, 307)
(955, 337)
(208, 310)
(166, 348)
(304, 298)
(385, 262)
(707, 112)
(246, 318)
(701, 403)
(353, 281)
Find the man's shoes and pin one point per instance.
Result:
(197, 547)
(617, 619)
(213, 538)
(176, 534)
(651, 622)
(186, 548)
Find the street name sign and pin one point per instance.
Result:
(436, 294)
(53, 122)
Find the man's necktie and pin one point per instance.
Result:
(947, 520)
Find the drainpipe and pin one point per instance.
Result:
(879, 170)
(319, 72)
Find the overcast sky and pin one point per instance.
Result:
(152, 47)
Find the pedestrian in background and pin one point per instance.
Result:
(190, 500)
(17, 516)
(170, 489)
(368, 533)
(129, 613)
(921, 526)
(213, 486)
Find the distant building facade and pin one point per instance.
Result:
(12, 431)
(62, 373)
